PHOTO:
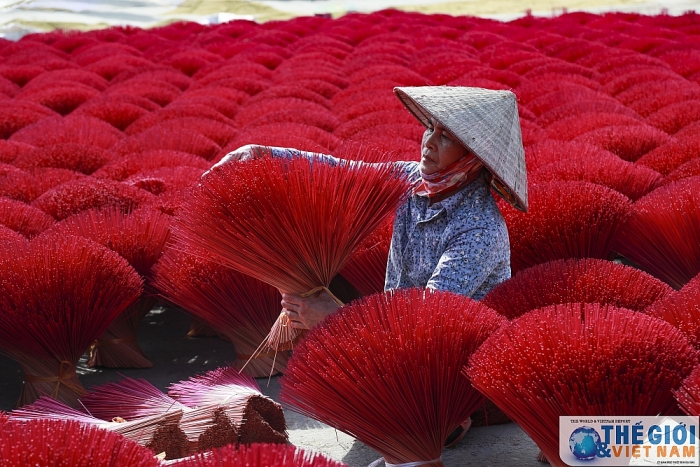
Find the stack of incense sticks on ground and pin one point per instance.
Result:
(140, 238)
(401, 392)
(238, 306)
(258, 418)
(60, 442)
(60, 294)
(325, 210)
(198, 429)
(589, 359)
(153, 431)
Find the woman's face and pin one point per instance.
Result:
(439, 148)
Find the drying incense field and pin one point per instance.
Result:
(104, 217)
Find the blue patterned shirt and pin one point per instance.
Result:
(459, 244)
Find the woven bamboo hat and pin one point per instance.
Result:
(486, 122)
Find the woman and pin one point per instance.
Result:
(450, 235)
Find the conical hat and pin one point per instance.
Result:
(486, 122)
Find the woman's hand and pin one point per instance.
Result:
(243, 153)
(307, 312)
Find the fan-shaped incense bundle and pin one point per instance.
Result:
(575, 280)
(59, 294)
(261, 455)
(400, 391)
(366, 268)
(580, 359)
(682, 309)
(259, 418)
(565, 220)
(157, 432)
(205, 427)
(53, 442)
(662, 234)
(238, 306)
(140, 238)
(292, 223)
(688, 395)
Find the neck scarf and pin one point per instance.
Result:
(461, 172)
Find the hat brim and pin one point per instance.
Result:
(423, 115)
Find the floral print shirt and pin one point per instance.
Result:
(459, 244)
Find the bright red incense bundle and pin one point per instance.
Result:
(662, 234)
(576, 280)
(565, 220)
(140, 238)
(238, 306)
(26, 186)
(261, 455)
(53, 443)
(682, 309)
(400, 391)
(60, 294)
(259, 419)
(580, 359)
(132, 164)
(366, 268)
(292, 223)
(631, 180)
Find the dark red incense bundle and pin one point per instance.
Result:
(261, 455)
(8, 235)
(204, 427)
(140, 238)
(23, 218)
(665, 159)
(26, 186)
(682, 309)
(259, 419)
(77, 157)
(688, 395)
(687, 170)
(60, 294)
(589, 359)
(53, 442)
(565, 220)
(401, 392)
(662, 234)
(238, 306)
(366, 268)
(165, 179)
(87, 193)
(72, 129)
(158, 432)
(576, 280)
(240, 210)
(627, 142)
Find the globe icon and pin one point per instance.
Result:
(583, 443)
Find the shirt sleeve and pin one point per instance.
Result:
(467, 262)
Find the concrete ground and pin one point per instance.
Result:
(175, 357)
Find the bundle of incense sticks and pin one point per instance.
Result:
(401, 392)
(46, 442)
(292, 223)
(205, 426)
(258, 418)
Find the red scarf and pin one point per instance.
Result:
(461, 172)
